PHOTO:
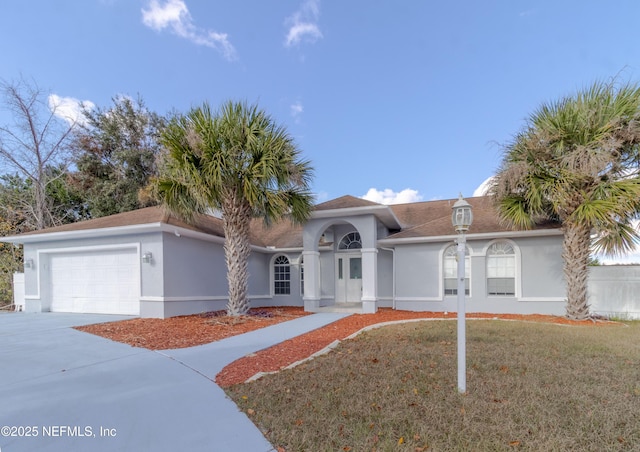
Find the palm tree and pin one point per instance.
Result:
(243, 164)
(576, 162)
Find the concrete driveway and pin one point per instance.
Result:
(65, 390)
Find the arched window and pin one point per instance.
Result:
(501, 269)
(451, 271)
(281, 276)
(350, 241)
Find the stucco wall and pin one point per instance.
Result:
(195, 277)
(385, 278)
(418, 272)
(541, 260)
(539, 284)
(259, 288)
(192, 268)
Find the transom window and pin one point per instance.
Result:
(281, 276)
(501, 269)
(350, 241)
(451, 271)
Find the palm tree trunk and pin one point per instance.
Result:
(236, 220)
(575, 252)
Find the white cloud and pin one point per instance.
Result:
(321, 196)
(388, 196)
(175, 16)
(69, 108)
(303, 24)
(527, 12)
(296, 110)
(483, 189)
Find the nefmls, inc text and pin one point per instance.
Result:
(57, 431)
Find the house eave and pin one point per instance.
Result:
(476, 236)
(291, 249)
(111, 232)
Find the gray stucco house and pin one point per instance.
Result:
(351, 253)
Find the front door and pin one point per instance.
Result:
(349, 278)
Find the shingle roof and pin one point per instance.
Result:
(283, 234)
(433, 218)
(421, 219)
(148, 215)
(345, 202)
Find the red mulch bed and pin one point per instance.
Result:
(192, 330)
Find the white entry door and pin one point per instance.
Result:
(349, 278)
(97, 282)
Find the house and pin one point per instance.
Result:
(351, 252)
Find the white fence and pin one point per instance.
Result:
(614, 291)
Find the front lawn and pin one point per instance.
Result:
(529, 387)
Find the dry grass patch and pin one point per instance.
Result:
(530, 387)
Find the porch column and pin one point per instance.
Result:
(311, 280)
(369, 280)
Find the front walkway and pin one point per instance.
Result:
(62, 389)
(350, 308)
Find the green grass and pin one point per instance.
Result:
(529, 387)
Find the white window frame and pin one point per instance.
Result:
(275, 275)
(348, 239)
(467, 270)
(514, 269)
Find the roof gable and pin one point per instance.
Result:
(345, 202)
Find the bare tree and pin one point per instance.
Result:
(35, 141)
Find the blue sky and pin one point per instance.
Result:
(410, 99)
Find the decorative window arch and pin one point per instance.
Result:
(450, 270)
(501, 269)
(351, 241)
(281, 275)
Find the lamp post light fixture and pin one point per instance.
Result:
(461, 218)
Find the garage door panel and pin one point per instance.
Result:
(105, 281)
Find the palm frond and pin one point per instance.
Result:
(238, 150)
(514, 211)
(618, 240)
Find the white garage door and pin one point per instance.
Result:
(98, 282)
